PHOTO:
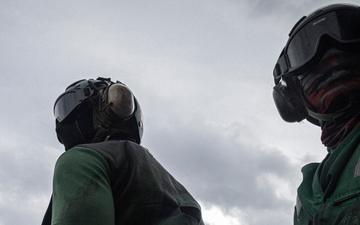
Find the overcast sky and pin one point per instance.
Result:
(202, 72)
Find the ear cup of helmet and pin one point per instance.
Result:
(139, 119)
(121, 100)
(125, 107)
(288, 101)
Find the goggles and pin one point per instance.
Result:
(74, 95)
(337, 26)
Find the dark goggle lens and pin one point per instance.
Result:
(341, 26)
(67, 102)
(304, 44)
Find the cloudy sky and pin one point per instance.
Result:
(202, 72)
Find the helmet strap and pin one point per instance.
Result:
(101, 122)
(101, 134)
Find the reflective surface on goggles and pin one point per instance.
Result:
(308, 41)
(304, 44)
(68, 101)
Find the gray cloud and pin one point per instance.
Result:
(202, 73)
(219, 169)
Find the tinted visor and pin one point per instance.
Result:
(68, 101)
(307, 43)
(303, 45)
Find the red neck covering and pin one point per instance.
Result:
(333, 86)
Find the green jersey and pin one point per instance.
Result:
(117, 183)
(330, 190)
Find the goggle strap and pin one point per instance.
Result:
(281, 67)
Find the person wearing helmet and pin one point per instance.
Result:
(105, 176)
(317, 78)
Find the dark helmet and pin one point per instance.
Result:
(94, 110)
(332, 26)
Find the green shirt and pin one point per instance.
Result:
(118, 182)
(329, 192)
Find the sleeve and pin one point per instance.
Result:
(82, 190)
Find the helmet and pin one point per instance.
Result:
(95, 110)
(336, 26)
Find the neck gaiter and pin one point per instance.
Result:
(333, 86)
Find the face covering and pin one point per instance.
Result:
(333, 86)
(78, 130)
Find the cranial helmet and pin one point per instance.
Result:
(333, 26)
(95, 110)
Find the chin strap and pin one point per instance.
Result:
(101, 134)
(79, 130)
(334, 117)
(338, 117)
